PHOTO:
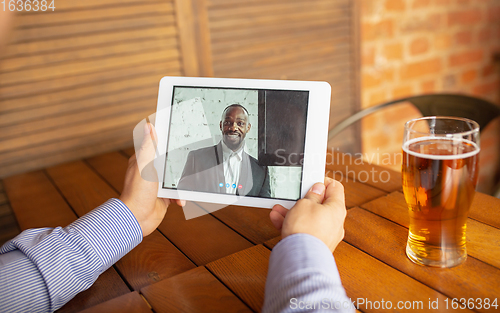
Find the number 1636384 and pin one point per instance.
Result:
(28, 5)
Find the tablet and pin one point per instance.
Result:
(240, 141)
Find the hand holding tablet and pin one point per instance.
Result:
(239, 141)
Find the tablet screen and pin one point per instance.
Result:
(246, 142)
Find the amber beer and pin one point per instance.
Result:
(439, 181)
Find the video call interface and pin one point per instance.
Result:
(245, 142)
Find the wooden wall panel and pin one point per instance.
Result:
(74, 82)
(282, 39)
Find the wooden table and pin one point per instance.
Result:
(218, 262)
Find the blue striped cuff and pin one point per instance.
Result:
(300, 252)
(111, 230)
(70, 259)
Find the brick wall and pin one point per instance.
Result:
(411, 47)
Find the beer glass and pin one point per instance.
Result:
(440, 169)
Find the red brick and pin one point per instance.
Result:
(488, 70)
(368, 56)
(394, 5)
(377, 97)
(417, 69)
(466, 57)
(417, 4)
(419, 46)
(465, 17)
(369, 80)
(449, 81)
(427, 23)
(442, 41)
(463, 37)
(484, 35)
(393, 51)
(428, 86)
(367, 7)
(468, 76)
(486, 88)
(402, 112)
(402, 91)
(381, 30)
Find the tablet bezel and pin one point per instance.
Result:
(318, 112)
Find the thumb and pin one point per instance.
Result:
(146, 154)
(316, 193)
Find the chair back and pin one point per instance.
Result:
(469, 107)
(472, 108)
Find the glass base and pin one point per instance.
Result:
(442, 258)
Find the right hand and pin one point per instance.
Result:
(321, 213)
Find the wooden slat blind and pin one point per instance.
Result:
(282, 39)
(74, 82)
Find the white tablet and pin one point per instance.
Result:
(241, 141)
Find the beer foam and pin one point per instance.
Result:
(441, 157)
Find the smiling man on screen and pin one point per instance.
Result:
(226, 167)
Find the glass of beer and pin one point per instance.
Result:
(440, 169)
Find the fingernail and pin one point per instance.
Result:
(147, 130)
(318, 188)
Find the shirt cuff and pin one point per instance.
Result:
(297, 253)
(111, 230)
(71, 258)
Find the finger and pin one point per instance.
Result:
(277, 219)
(328, 181)
(181, 203)
(280, 209)
(316, 193)
(146, 153)
(334, 194)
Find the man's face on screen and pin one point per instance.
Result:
(234, 127)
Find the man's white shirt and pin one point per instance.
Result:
(232, 167)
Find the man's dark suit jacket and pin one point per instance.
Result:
(204, 171)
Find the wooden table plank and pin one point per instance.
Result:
(112, 166)
(483, 241)
(131, 302)
(8, 224)
(203, 239)
(36, 201)
(357, 193)
(272, 242)
(81, 186)
(245, 274)
(153, 260)
(485, 208)
(108, 286)
(193, 291)
(386, 241)
(368, 279)
(252, 223)
(370, 174)
(85, 190)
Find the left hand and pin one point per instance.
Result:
(321, 213)
(139, 194)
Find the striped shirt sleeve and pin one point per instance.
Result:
(42, 269)
(303, 277)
